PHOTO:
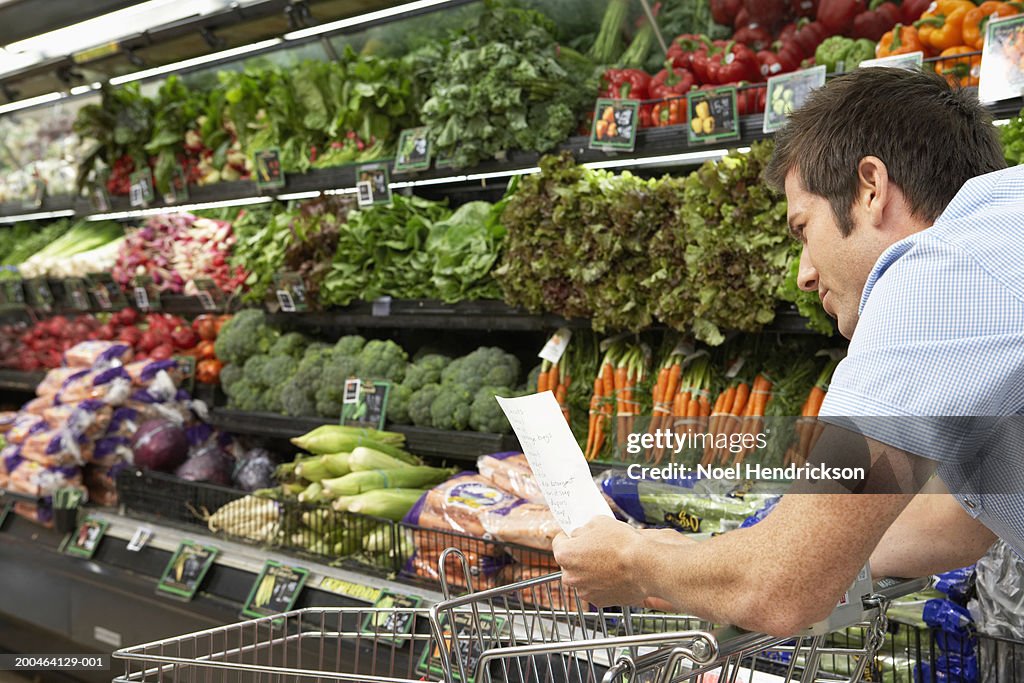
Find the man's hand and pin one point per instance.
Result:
(607, 562)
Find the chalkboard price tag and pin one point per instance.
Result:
(146, 293)
(106, 292)
(276, 589)
(373, 185)
(76, 294)
(39, 294)
(86, 538)
(269, 174)
(186, 569)
(615, 124)
(141, 192)
(187, 370)
(391, 627)
(5, 510)
(12, 293)
(713, 116)
(471, 639)
(364, 403)
(413, 150)
(290, 292)
(210, 296)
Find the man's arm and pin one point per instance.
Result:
(933, 534)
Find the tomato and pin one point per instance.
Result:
(206, 327)
(208, 371)
(204, 350)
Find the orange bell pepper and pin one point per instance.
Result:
(671, 112)
(942, 26)
(976, 21)
(901, 40)
(962, 71)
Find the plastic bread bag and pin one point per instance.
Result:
(111, 385)
(511, 471)
(98, 354)
(55, 379)
(25, 425)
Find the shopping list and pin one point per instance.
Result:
(556, 459)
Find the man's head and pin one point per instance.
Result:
(871, 158)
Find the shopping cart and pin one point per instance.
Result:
(534, 631)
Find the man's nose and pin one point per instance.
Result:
(807, 275)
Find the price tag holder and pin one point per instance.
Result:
(35, 193)
(413, 150)
(276, 589)
(615, 125)
(366, 594)
(146, 293)
(139, 539)
(187, 370)
(713, 116)
(210, 296)
(469, 645)
(373, 185)
(364, 403)
(84, 541)
(290, 291)
(1001, 71)
(98, 197)
(381, 308)
(787, 93)
(39, 294)
(186, 570)
(141, 192)
(177, 191)
(909, 61)
(12, 293)
(76, 294)
(267, 163)
(106, 292)
(392, 627)
(555, 347)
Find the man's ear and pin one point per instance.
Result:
(873, 191)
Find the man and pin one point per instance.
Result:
(914, 240)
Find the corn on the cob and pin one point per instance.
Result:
(363, 459)
(391, 504)
(403, 477)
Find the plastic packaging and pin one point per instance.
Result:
(998, 609)
(110, 385)
(55, 379)
(7, 419)
(37, 406)
(111, 450)
(57, 448)
(25, 425)
(511, 472)
(144, 372)
(527, 524)
(457, 504)
(89, 354)
(90, 417)
(123, 422)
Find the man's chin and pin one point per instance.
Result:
(846, 326)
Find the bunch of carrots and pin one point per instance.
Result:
(807, 427)
(684, 401)
(738, 410)
(622, 370)
(554, 377)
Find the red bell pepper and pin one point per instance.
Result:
(700, 61)
(724, 11)
(754, 36)
(735, 62)
(626, 84)
(911, 10)
(768, 13)
(810, 36)
(837, 15)
(670, 82)
(680, 52)
(788, 31)
(784, 57)
(741, 20)
(879, 19)
(803, 8)
(751, 99)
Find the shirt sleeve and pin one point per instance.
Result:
(939, 348)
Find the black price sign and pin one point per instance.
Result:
(39, 293)
(391, 627)
(177, 191)
(373, 186)
(413, 150)
(185, 571)
(268, 169)
(365, 403)
(210, 296)
(276, 589)
(787, 93)
(141, 192)
(146, 293)
(615, 124)
(713, 116)
(469, 632)
(290, 292)
(12, 293)
(187, 370)
(76, 294)
(106, 292)
(84, 541)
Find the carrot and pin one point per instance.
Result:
(542, 378)
(724, 398)
(595, 401)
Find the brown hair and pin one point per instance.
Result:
(931, 137)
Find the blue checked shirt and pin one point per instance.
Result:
(941, 337)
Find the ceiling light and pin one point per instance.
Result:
(31, 102)
(142, 213)
(363, 19)
(195, 61)
(42, 215)
(688, 157)
(298, 195)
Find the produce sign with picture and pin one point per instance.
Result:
(364, 403)
(909, 61)
(1002, 60)
(39, 294)
(615, 124)
(76, 294)
(12, 293)
(391, 626)
(276, 589)
(268, 169)
(714, 116)
(787, 93)
(466, 638)
(413, 150)
(186, 569)
(106, 292)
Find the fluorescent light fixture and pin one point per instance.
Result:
(142, 213)
(504, 174)
(82, 89)
(706, 155)
(1001, 122)
(31, 102)
(363, 19)
(42, 215)
(299, 195)
(743, 150)
(195, 61)
(341, 190)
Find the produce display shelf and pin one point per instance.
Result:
(465, 446)
(7, 495)
(16, 380)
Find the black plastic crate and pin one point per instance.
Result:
(166, 499)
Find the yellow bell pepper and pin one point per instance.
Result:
(942, 26)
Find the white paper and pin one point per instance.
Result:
(556, 460)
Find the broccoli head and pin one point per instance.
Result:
(230, 374)
(487, 366)
(384, 360)
(254, 369)
(278, 370)
(398, 404)
(485, 415)
(329, 400)
(271, 400)
(450, 410)
(426, 370)
(292, 344)
(531, 380)
(419, 405)
(350, 345)
(245, 396)
(310, 372)
(245, 335)
(297, 398)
